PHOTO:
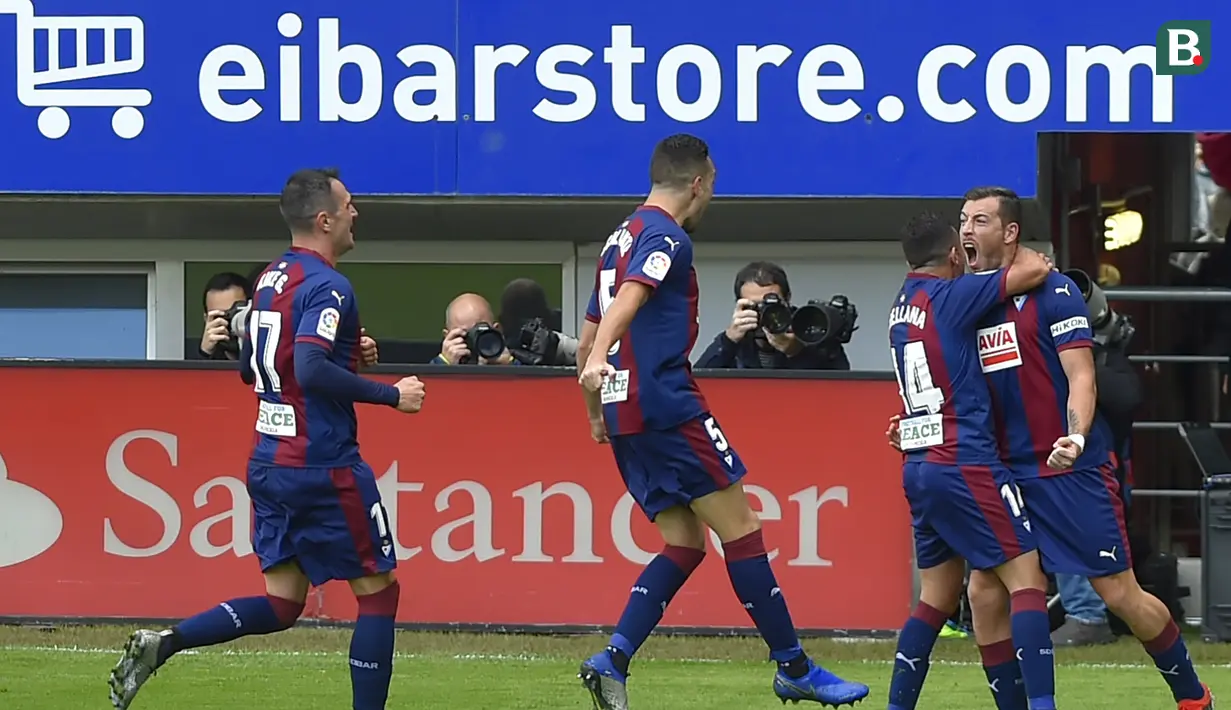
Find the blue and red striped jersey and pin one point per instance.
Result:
(1020, 342)
(947, 417)
(302, 298)
(653, 387)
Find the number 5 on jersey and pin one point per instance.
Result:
(606, 296)
(923, 426)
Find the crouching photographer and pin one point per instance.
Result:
(534, 327)
(471, 334)
(767, 332)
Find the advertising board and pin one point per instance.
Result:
(441, 97)
(122, 495)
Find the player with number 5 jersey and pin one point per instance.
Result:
(961, 498)
(317, 512)
(675, 459)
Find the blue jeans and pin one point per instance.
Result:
(1080, 600)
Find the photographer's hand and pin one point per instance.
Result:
(216, 332)
(454, 348)
(743, 320)
(785, 343)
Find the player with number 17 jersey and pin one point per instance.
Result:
(670, 451)
(305, 452)
(952, 473)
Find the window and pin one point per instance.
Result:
(87, 315)
(398, 301)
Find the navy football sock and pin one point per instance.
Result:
(230, 620)
(1032, 637)
(371, 648)
(1004, 675)
(757, 588)
(655, 588)
(910, 664)
(1171, 658)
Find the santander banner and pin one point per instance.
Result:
(122, 495)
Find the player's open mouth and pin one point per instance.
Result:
(972, 254)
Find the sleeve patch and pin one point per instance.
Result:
(327, 326)
(657, 265)
(1068, 325)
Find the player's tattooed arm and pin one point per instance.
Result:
(1078, 364)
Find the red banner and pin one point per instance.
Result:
(122, 495)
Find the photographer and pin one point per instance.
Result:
(470, 337)
(1119, 394)
(766, 332)
(534, 328)
(222, 292)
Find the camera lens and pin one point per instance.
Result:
(773, 315)
(810, 324)
(489, 343)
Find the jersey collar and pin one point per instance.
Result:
(311, 252)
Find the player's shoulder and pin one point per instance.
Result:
(1057, 284)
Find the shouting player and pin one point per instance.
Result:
(1036, 353)
(640, 394)
(951, 472)
(317, 511)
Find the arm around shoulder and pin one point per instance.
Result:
(1028, 270)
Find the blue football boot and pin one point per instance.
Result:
(606, 683)
(819, 686)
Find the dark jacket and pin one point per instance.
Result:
(725, 353)
(1120, 393)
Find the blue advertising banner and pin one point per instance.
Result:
(917, 98)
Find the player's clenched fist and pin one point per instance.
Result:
(594, 374)
(893, 433)
(367, 348)
(1065, 452)
(743, 320)
(410, 395)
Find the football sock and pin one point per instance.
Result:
(371, 648)
(647, 601)
(1032, 637)
(1171, 658)
(757, 589)
(1004, 675)
(910, 664)
(230, 620)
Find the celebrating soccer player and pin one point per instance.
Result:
(317, 511)
(1036, 353)
(676, 461)
(952, 474)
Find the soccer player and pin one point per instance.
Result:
(317, 511)
(951, 471)
(1036, 354)
(674, 458)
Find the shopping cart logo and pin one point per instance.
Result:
(43, 88)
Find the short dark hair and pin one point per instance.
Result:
(677, 160)
(306, 194)
(224, 282)
(1010, 205)
(763, 273)
(927, 239)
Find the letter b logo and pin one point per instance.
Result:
(1182, 47)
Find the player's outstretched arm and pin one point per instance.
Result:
(619, 315)
(317, 373)
(1028, 270)
(594, 405)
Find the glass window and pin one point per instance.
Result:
(398, 301)
(66, 315)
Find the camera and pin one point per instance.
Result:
(1109, 328)
(816, 323)
(237, 322)
(538, 343)
(484, 341)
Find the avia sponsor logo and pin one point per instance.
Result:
(998, 348)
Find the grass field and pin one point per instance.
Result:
(305, 669)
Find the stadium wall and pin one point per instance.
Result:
(122, 496)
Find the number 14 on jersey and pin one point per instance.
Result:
(923, 425)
